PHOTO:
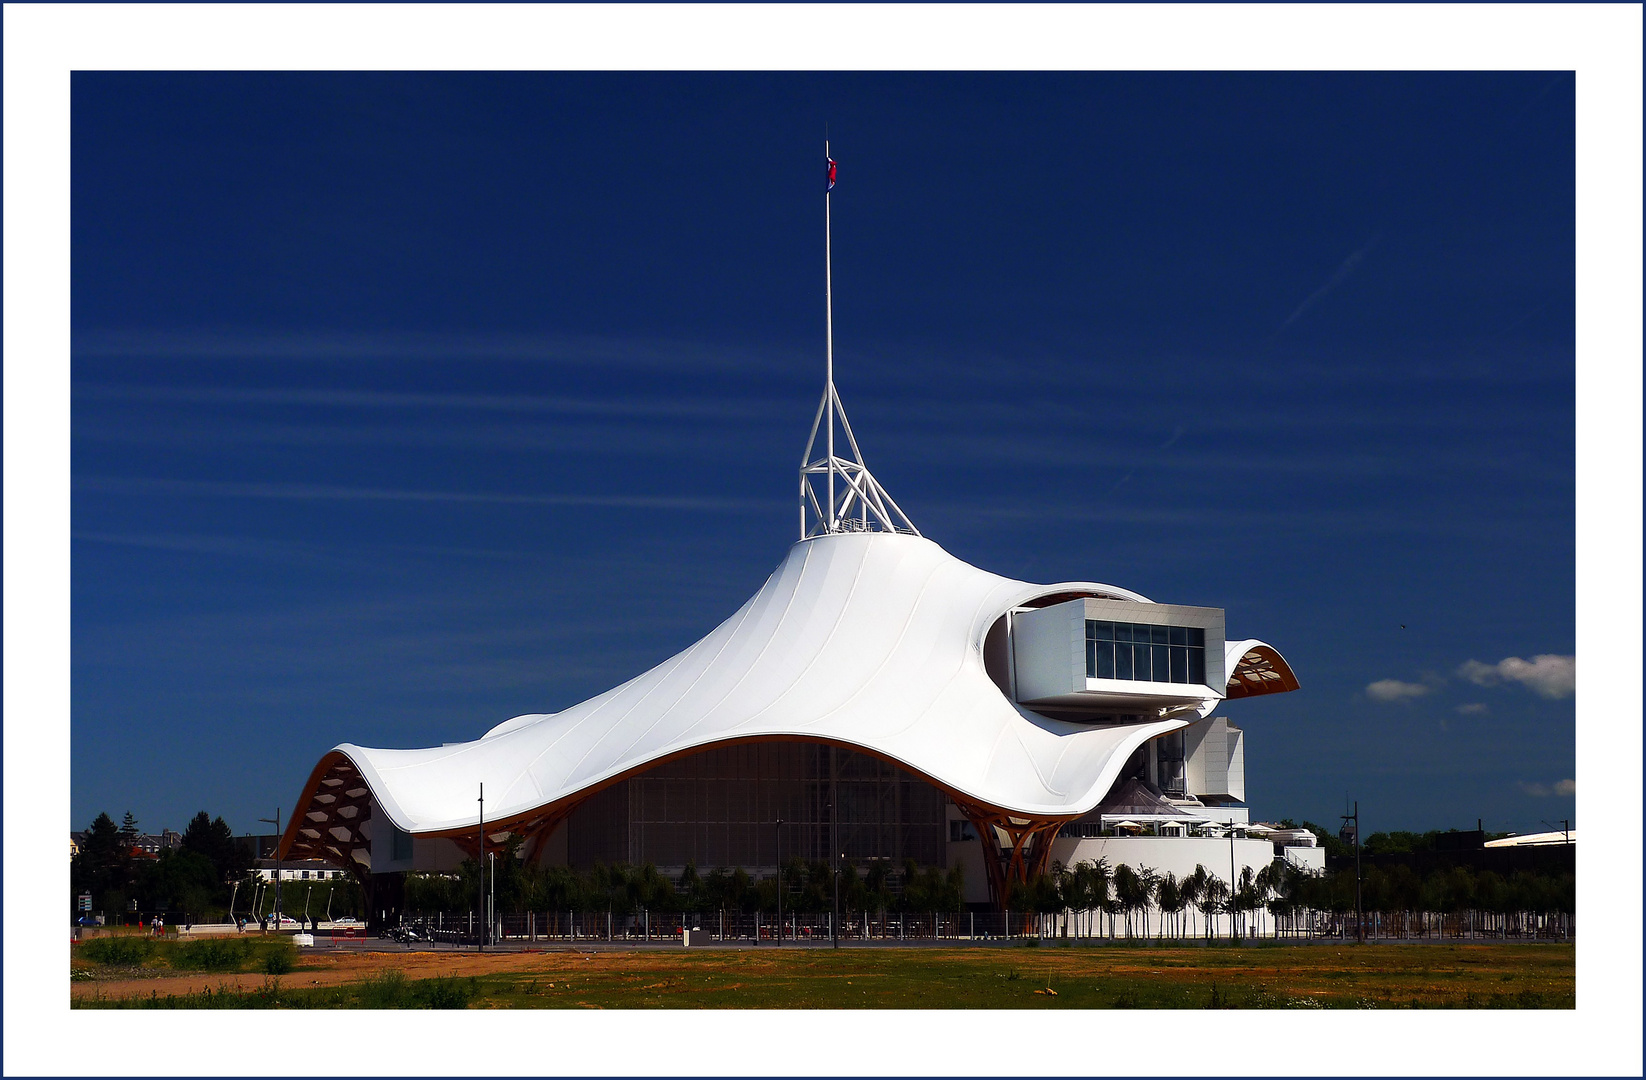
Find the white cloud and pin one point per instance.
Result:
(1395, 690)
(1559, 787)
(1549, 675)
(1473, 708)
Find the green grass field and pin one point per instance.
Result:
(1320, 976)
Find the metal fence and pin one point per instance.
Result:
(664, 927)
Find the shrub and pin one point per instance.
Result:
(117, 950)
(211, 954)
(385, 990)
(279, 957)
(446, 992)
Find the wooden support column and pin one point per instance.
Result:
(1015, 849)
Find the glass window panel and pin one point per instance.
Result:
(1122, 631)
(1091, 659)
(1197, 636)
(1157, 634)
(1178, 635)
(1102, 631)
(1140, 663)
(1180, 664)
(1162, 663)
(1123, 661)
(1105, 660)
(1197, 665)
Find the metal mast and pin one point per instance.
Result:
(857, 503)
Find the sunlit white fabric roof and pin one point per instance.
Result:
(869, 639)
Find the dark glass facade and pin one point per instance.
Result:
(1145, 652)
(719, 807)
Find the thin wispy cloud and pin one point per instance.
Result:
(322, 492)
(1543, 791)
(1546, 674)
(1473, 708)
(284, 550)
(578, 350)
(1343, 272)
(720, 408)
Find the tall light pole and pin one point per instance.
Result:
(1231, 882)
(835, 853)
(834, 927)
(275, 821)
(777, 833)
(480, 946)
(1360, 916)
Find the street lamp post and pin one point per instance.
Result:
(777, 833)
(480, 945)
(275, 821)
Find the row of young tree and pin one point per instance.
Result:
(626, 890)
(1130, 896)
(206, 873)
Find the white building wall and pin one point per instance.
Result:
(1215, 758)
(1049, 651)
(1178, 856)
(1163, 854)
(1167, 854)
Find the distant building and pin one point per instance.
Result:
(298, 870)
(1538, 839)
(1300, 847)
(146, 846)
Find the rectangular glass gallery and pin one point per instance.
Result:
(1145, 652)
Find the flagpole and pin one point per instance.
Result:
(828, 303)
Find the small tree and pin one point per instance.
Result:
(1128, 891)
(1213, 892)
(1171, 902)
(1148, 881)
(103, 865)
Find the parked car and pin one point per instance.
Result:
(345, 920)
(89, 920)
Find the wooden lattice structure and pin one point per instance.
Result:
(1261, 670)
(1016, 850)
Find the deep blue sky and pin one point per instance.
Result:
(403, 404)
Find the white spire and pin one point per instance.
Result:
(850, 499)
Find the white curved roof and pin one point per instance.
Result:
(870, 640)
